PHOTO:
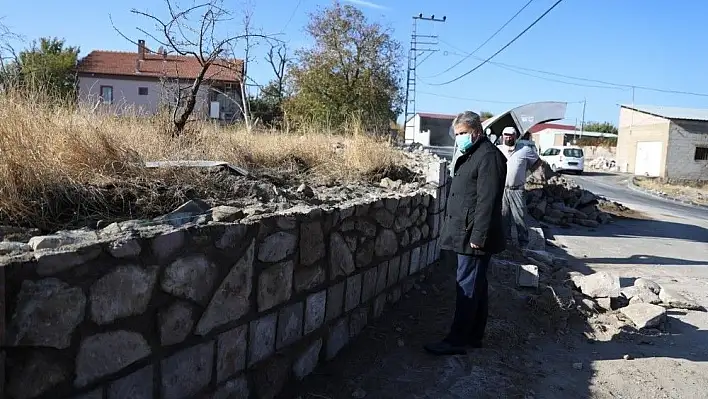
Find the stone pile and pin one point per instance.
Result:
(603, 163)
(644, 303)
(560, 201)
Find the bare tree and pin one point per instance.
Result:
(192, 31)
(9, 58)
(278, 61)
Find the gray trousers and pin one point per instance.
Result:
(514, 213)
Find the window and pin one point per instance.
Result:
(107, 94)
(701, 154)
(548, 152)
(573, 152)
(142, 91)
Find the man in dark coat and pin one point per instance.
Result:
(472, 231)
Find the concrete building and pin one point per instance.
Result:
(663, 142)
(142, 82)
(429, 129)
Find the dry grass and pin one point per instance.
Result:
(57, 161)
(696, 191)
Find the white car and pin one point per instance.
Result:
(565, 158)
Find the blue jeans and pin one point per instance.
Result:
(471, 308)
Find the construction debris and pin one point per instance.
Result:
(602, 163)
(560, 201)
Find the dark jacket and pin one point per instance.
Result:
(474, 202)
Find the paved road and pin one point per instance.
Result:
(614, 187)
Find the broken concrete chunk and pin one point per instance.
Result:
(676, 300)
(637, 294)
(527, 276)
(645, 315)
(599, 285)
(648, 284)
(226, 214)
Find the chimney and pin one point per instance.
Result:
(141, 49)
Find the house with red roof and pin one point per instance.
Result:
(144, 81)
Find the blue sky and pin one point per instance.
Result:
(656, 44)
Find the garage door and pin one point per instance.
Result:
(648, 161)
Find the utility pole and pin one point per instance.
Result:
(417, 48)
(582, 123)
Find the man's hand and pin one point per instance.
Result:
(474, 246)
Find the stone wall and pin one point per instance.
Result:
(216, 310)
(594, 152)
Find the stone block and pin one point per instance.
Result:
(125, 291)
(49, 262)
(405, 239)
(366, 228)
(234, 389)
(312, 245)
(289, 325)
(405, 265)
(261, 336)
(434, 224)
(33, 375)
(97, 354)
(305, 364)
(386, 244)
(645, 315)
(382, 272)
(416, 234)
(176, 323)
(166, 245)
(358, 320)
(353, 292)
(423, 259)
(135, 386)
(308, 277)
(337, 338)
(186, 373)
(125, 248)
(368, 289)
(277, 247)
(232, 236)
(315, 310)
(431, 252)
(335, 301)
(231, 301)
(394, 295)
(384, 217)
(379, 305)
(275, 285)
(527, 276)
(394, 270)
(231, 353)
(341, 260)
(365, 253)
(415, 260)
(192, 277)
(47, 313)
(436, 173)
(599, 285)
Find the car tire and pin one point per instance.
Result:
(578, 172)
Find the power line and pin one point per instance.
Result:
(485, 42)
(503, 48)
(297, 6)
(485, 101)
(616, 86)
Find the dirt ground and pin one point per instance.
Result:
(695, 192)
(523, 358)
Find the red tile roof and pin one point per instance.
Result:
(155, 65)
(543, 126)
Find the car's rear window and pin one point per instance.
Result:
(573, 152)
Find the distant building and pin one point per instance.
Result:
(143, 81)
(553, 134)
(429, 129)
(663, 142)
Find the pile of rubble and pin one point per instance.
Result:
(560, 201)
(603, 163)
(643, 304)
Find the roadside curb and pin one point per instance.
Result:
(632, 186)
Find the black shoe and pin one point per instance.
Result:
(444, 348)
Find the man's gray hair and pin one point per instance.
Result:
(468, 119)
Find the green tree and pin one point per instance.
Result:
(601, 127)
(49, 65)
(484, 115)
(352, 71)
(267, 106)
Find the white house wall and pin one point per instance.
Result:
(412, 128)
(126, 99)
(684, 137)
(634, 127)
